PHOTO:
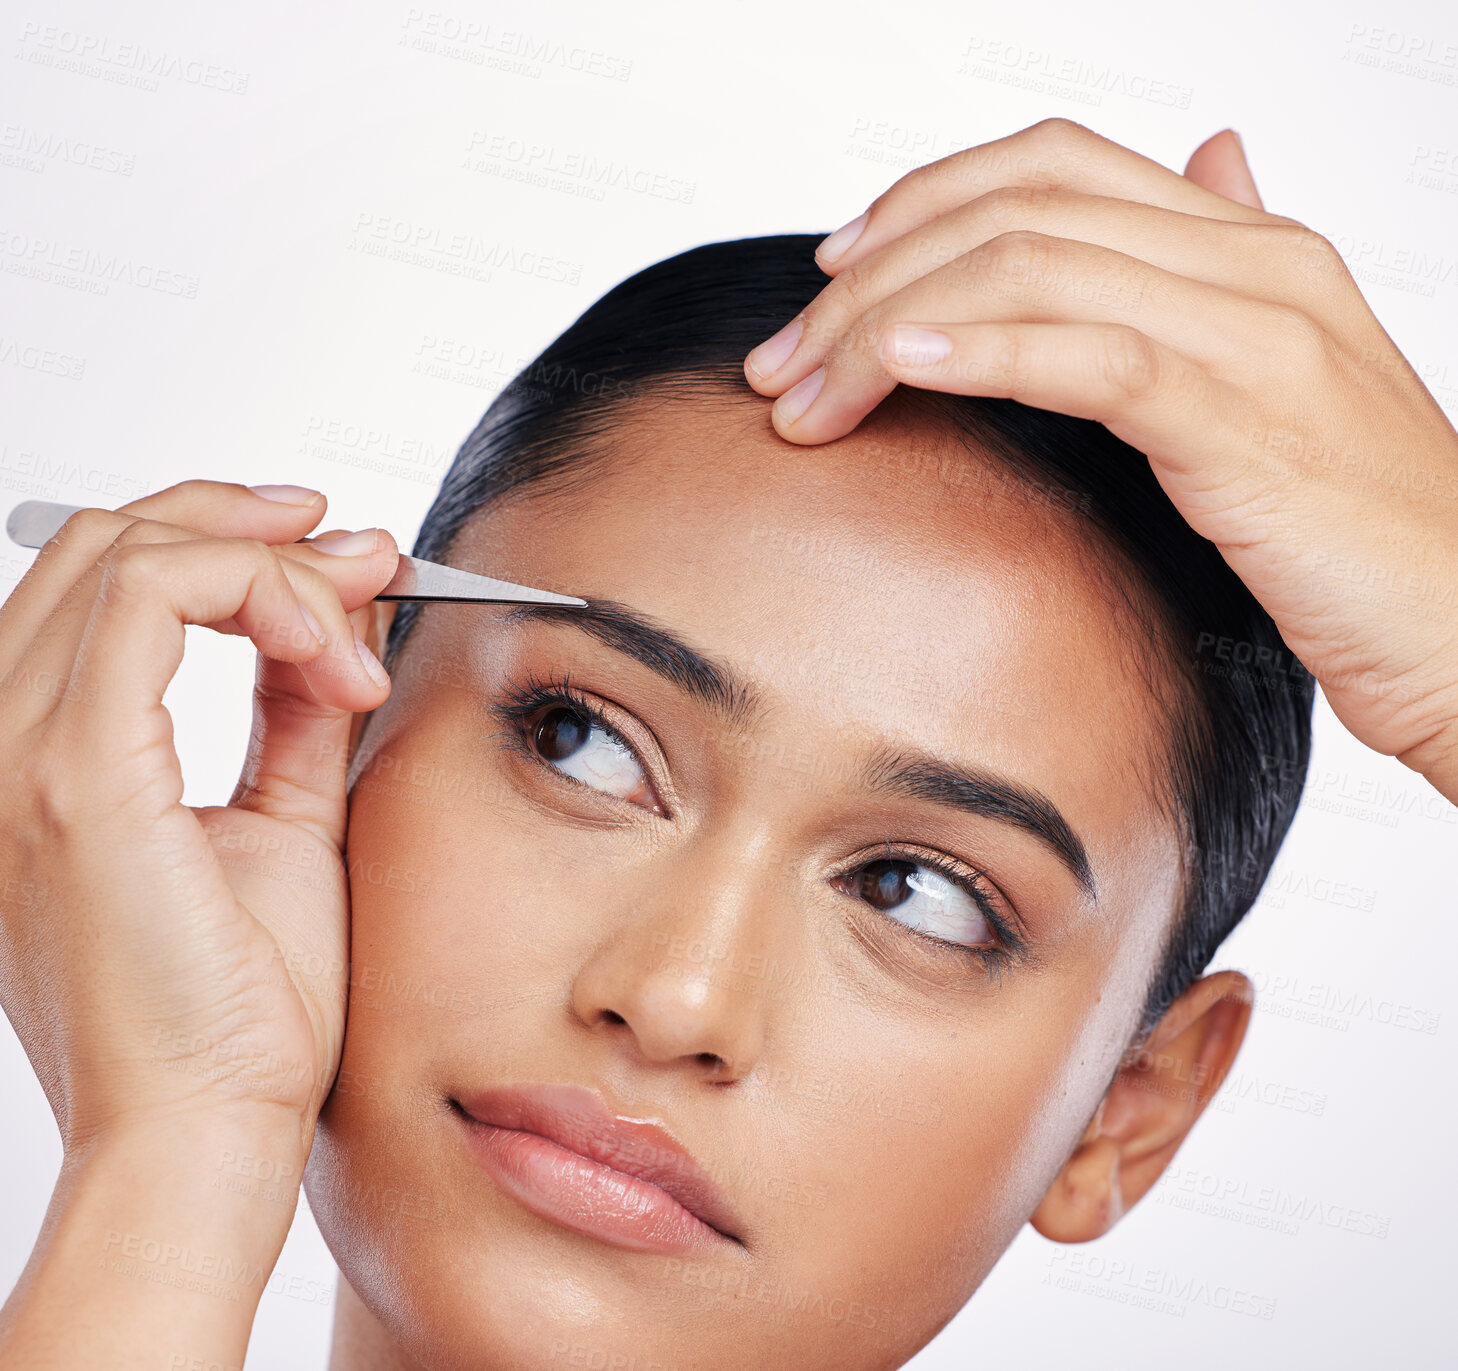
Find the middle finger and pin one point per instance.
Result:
(46, 663)
(1029, 277)
(1279, 261)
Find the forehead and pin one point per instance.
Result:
(892, 587)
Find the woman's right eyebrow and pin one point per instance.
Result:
(657, 647)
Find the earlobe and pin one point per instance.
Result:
(1086, 1198)
(1161, 1088)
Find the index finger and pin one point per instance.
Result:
(1055, 153)
(225, 509)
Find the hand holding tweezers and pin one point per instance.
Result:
(32, 523)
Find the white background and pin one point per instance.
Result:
(273, 345)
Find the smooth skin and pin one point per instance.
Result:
(201, 1033)
(699, 966)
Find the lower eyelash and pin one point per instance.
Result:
(995, 960)
(525, 698)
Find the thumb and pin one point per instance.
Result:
(372, 622)
(298, 749)
(1219, 164)
(297, 754)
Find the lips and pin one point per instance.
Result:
(567, 1157)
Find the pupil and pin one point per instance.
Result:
(560, 733)
(883, 883)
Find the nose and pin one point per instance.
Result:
(682, 977)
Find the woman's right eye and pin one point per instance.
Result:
(574, 743)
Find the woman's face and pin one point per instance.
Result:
(690, 853)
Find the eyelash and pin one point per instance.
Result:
(994, 960)
(528, 697)
(525, 698)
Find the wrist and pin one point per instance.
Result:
(158, 1243)
(1436, 757)
(158, 1141)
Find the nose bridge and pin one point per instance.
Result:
(683, 972)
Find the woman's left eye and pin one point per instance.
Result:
(924, 899)
(578, 745)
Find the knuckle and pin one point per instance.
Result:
(1059, 131)
(261, 561)
(200, 485)
(932, 183)
(136, 531)
(1298, 335)
(279, 702)
(44, 776)
(319, 588)
(1303, 238)
(1007, 366)
(256, 547)
(840, 318)
(1128, 361)
(1011, 205)
(1309, 252)
(88, 526)
(253, 551)
(1322, 246)
(853, 356)
(914, 183)
(856, 353)
(849, 294)
(1021, 252)
(130, 566)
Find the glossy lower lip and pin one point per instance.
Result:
(587, 1196)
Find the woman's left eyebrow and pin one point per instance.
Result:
(973, 790)
(657, 647)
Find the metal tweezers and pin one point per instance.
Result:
(33, 523)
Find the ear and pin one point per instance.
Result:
(1219, 164)
(1162, 1087)
(372, 622)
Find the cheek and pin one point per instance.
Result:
(486, 920)
(890, 1151)
(945, 1142)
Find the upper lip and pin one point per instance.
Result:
(576, 1118)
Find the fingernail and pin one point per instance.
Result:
(370, 662)
(359, 544)
(1254, 199)
(775, 351)
(911, 346)
(795, 401)
(835, 246)
(312, 622)
(288, 495)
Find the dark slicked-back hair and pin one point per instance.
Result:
(1239, 726)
